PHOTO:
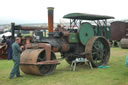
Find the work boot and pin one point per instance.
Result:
(11, 77)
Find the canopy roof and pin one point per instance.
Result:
(85, 16)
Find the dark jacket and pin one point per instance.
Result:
(16, 51)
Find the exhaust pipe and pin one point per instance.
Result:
(13, 31)
(50, 19)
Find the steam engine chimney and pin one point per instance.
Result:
(50, 19)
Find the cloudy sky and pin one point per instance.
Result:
(35, 11)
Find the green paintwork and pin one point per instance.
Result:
(73, 38)
(86, 32)
(85, 16)
(99, 31)
(106, 33)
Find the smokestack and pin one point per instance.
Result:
(13, 31)
(50, 19)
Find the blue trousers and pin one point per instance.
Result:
(15, 69)
(9, 53)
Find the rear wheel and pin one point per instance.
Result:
(97, 51)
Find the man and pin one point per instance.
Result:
(9, 47)
(16, 58)
(59, 28)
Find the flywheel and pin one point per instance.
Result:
(86, 32)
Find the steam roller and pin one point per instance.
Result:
(3, 51)
(124, 43)
(85, 42)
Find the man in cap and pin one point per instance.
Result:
(16, 58)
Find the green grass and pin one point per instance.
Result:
(116, 74)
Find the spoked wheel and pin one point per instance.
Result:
(30, 57)
(49, 68)
(97, 51)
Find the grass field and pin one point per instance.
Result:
(116, 74)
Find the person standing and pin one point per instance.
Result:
(9, 47)
(16, 58)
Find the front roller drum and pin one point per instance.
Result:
(97, 50)
(29, 62)
(124, 43)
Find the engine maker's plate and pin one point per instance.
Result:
(86, 32)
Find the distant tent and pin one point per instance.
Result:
(6, 34)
